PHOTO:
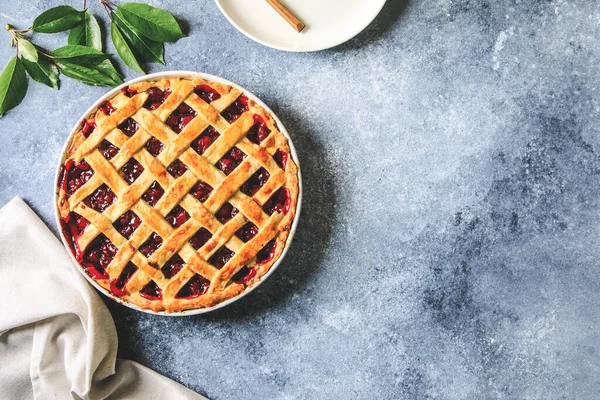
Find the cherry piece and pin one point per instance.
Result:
(129, 92)
(200, 238)
(259, 131)
(206, 138)
(177, 168)
(107, 149)
(255, 182)
(226, 212)
(235, 109)
(106, 107)
(221, 257)
(231, 160)
(155, 98)
(151, 245)
(281, 158)
(87, 128)
(173, 266)
(74, 176)
(151, 291)
(207, 93)
(117, 286)
(101, 199)
(177, 217)
(267, 253)
(244, 275)
(73, 226)
(247, 232)
(99, 253)
(195, 287)
(131, 170)
(154, 146)
(153, 194)
(129, 127)
(181, 117)
(201, 191)
(280, 202)
(127, 224)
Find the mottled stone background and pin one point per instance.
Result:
(449, 242)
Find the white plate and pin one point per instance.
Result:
(158, 76)
(328, 22)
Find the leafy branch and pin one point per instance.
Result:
(138, 32)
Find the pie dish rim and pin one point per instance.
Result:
(184, 75)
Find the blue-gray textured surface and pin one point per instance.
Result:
(449, 243)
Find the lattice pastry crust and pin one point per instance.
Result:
(177, 194)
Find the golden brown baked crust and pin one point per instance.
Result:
(273, 224)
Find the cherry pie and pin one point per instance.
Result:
(177, 194)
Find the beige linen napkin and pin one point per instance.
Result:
(57, 339)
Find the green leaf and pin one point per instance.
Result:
(86, 33)
(144, 48)
(89, 75)
(109, 70)
(27, 49)
(123, 49)
(81, 55)
(13, 85)
(42, 71)
(57, 19)
(152, 22)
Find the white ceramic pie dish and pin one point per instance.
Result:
(158, 76)
(329, 23)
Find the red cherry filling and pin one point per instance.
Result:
(280, 202)
(107, 108)
(177, 168)
(226, 212)
(231, 160)
(129, 127)
(255, 182)
(131, 170)
(153, 194)
(151, 245)
(195, 287)
(181, 117)
(247, 232)
(173, 266)
(73, 226)
(117, 286)
(129, 92)
(74, 176)
(127, 224)
(235, 109)
(259, 131)
(101, 199)
(221, 257)
(154, 146)
(206, 138)
(151, 291)
(98, 255)
(177, 217)
(200, 238)
(207, 93)
(87, 128)
(107, 149)
(267, 253)
(155, 98)
(280, 158)
(244, 275)
(201, 191)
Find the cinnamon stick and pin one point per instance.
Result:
(287, 15)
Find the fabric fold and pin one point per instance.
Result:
(54, 327)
